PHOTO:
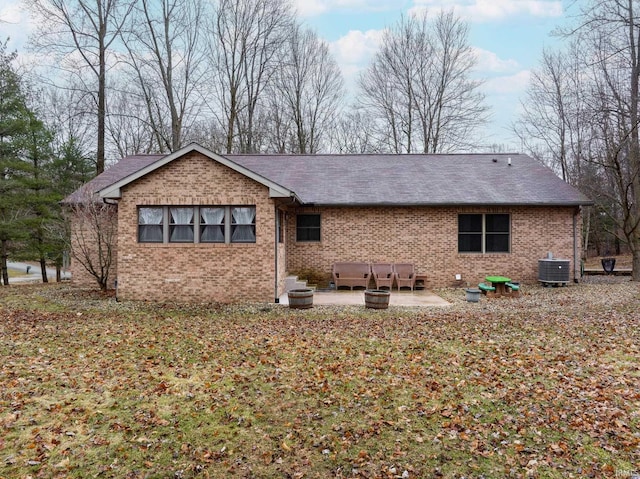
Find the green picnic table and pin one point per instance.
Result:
(498, 282)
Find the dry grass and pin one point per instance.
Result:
(545, 386)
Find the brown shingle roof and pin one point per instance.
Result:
(458, 179)
(438, 180)
(123, 168)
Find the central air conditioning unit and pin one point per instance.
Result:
(554, 271)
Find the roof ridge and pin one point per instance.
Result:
(366, 154)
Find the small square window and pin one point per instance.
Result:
(308, 227)
(483, 233)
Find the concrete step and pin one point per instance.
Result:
(292, 282)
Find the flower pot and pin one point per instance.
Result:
(473, 295)
(300, 298)
(376, 298)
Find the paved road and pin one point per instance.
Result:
(34, 275)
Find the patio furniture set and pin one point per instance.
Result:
(355, 274)
(500, 286)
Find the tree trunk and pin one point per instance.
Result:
(101, 109)
(43, 270)
(3, 258)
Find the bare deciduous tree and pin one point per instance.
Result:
(419, 86)
(164, 42)
(305, 92)
(555, 123)
(93, 235)
(581, 115)
(80, 34)
(353, 134)
(245, 37)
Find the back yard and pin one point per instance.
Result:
(544, 386)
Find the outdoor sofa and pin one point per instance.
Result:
(351, 274)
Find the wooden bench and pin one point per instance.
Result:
(351, 274)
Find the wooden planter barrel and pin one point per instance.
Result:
(300, 298)
(376, 298)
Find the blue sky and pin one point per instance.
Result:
(508, 36)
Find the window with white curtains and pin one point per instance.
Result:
(243, 225)
(197, 224)
(212, 225)
(181, 225)
(150, 225)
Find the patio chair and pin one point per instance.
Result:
(383, 275)
(405, 275)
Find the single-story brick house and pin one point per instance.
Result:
(198, 226)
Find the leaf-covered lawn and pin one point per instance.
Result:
(545, 386)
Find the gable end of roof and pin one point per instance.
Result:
(114, 191)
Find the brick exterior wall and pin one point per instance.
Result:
(428, 237)
(196, 272)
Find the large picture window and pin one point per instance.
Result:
(484, 233)
(308, 227)
(197, 224)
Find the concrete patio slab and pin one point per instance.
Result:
(354, 298)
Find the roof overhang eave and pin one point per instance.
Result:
(448, 204)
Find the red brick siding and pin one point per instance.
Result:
(428, 237)
(424, 236)
(196, 272)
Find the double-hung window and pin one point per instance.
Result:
(243, 224)
(484, 233)
(197, 224)
(212, 224)
(181, 225)
(308, 227)
(150, 225)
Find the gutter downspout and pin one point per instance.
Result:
(275, 250)
(109, 201)
(576, 269)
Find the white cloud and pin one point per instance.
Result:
(490, 62)
(310, 8)
(10, 13)
(357, 47)
(492, 10)
(354, 51)
(15, 23)
(515, 84)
